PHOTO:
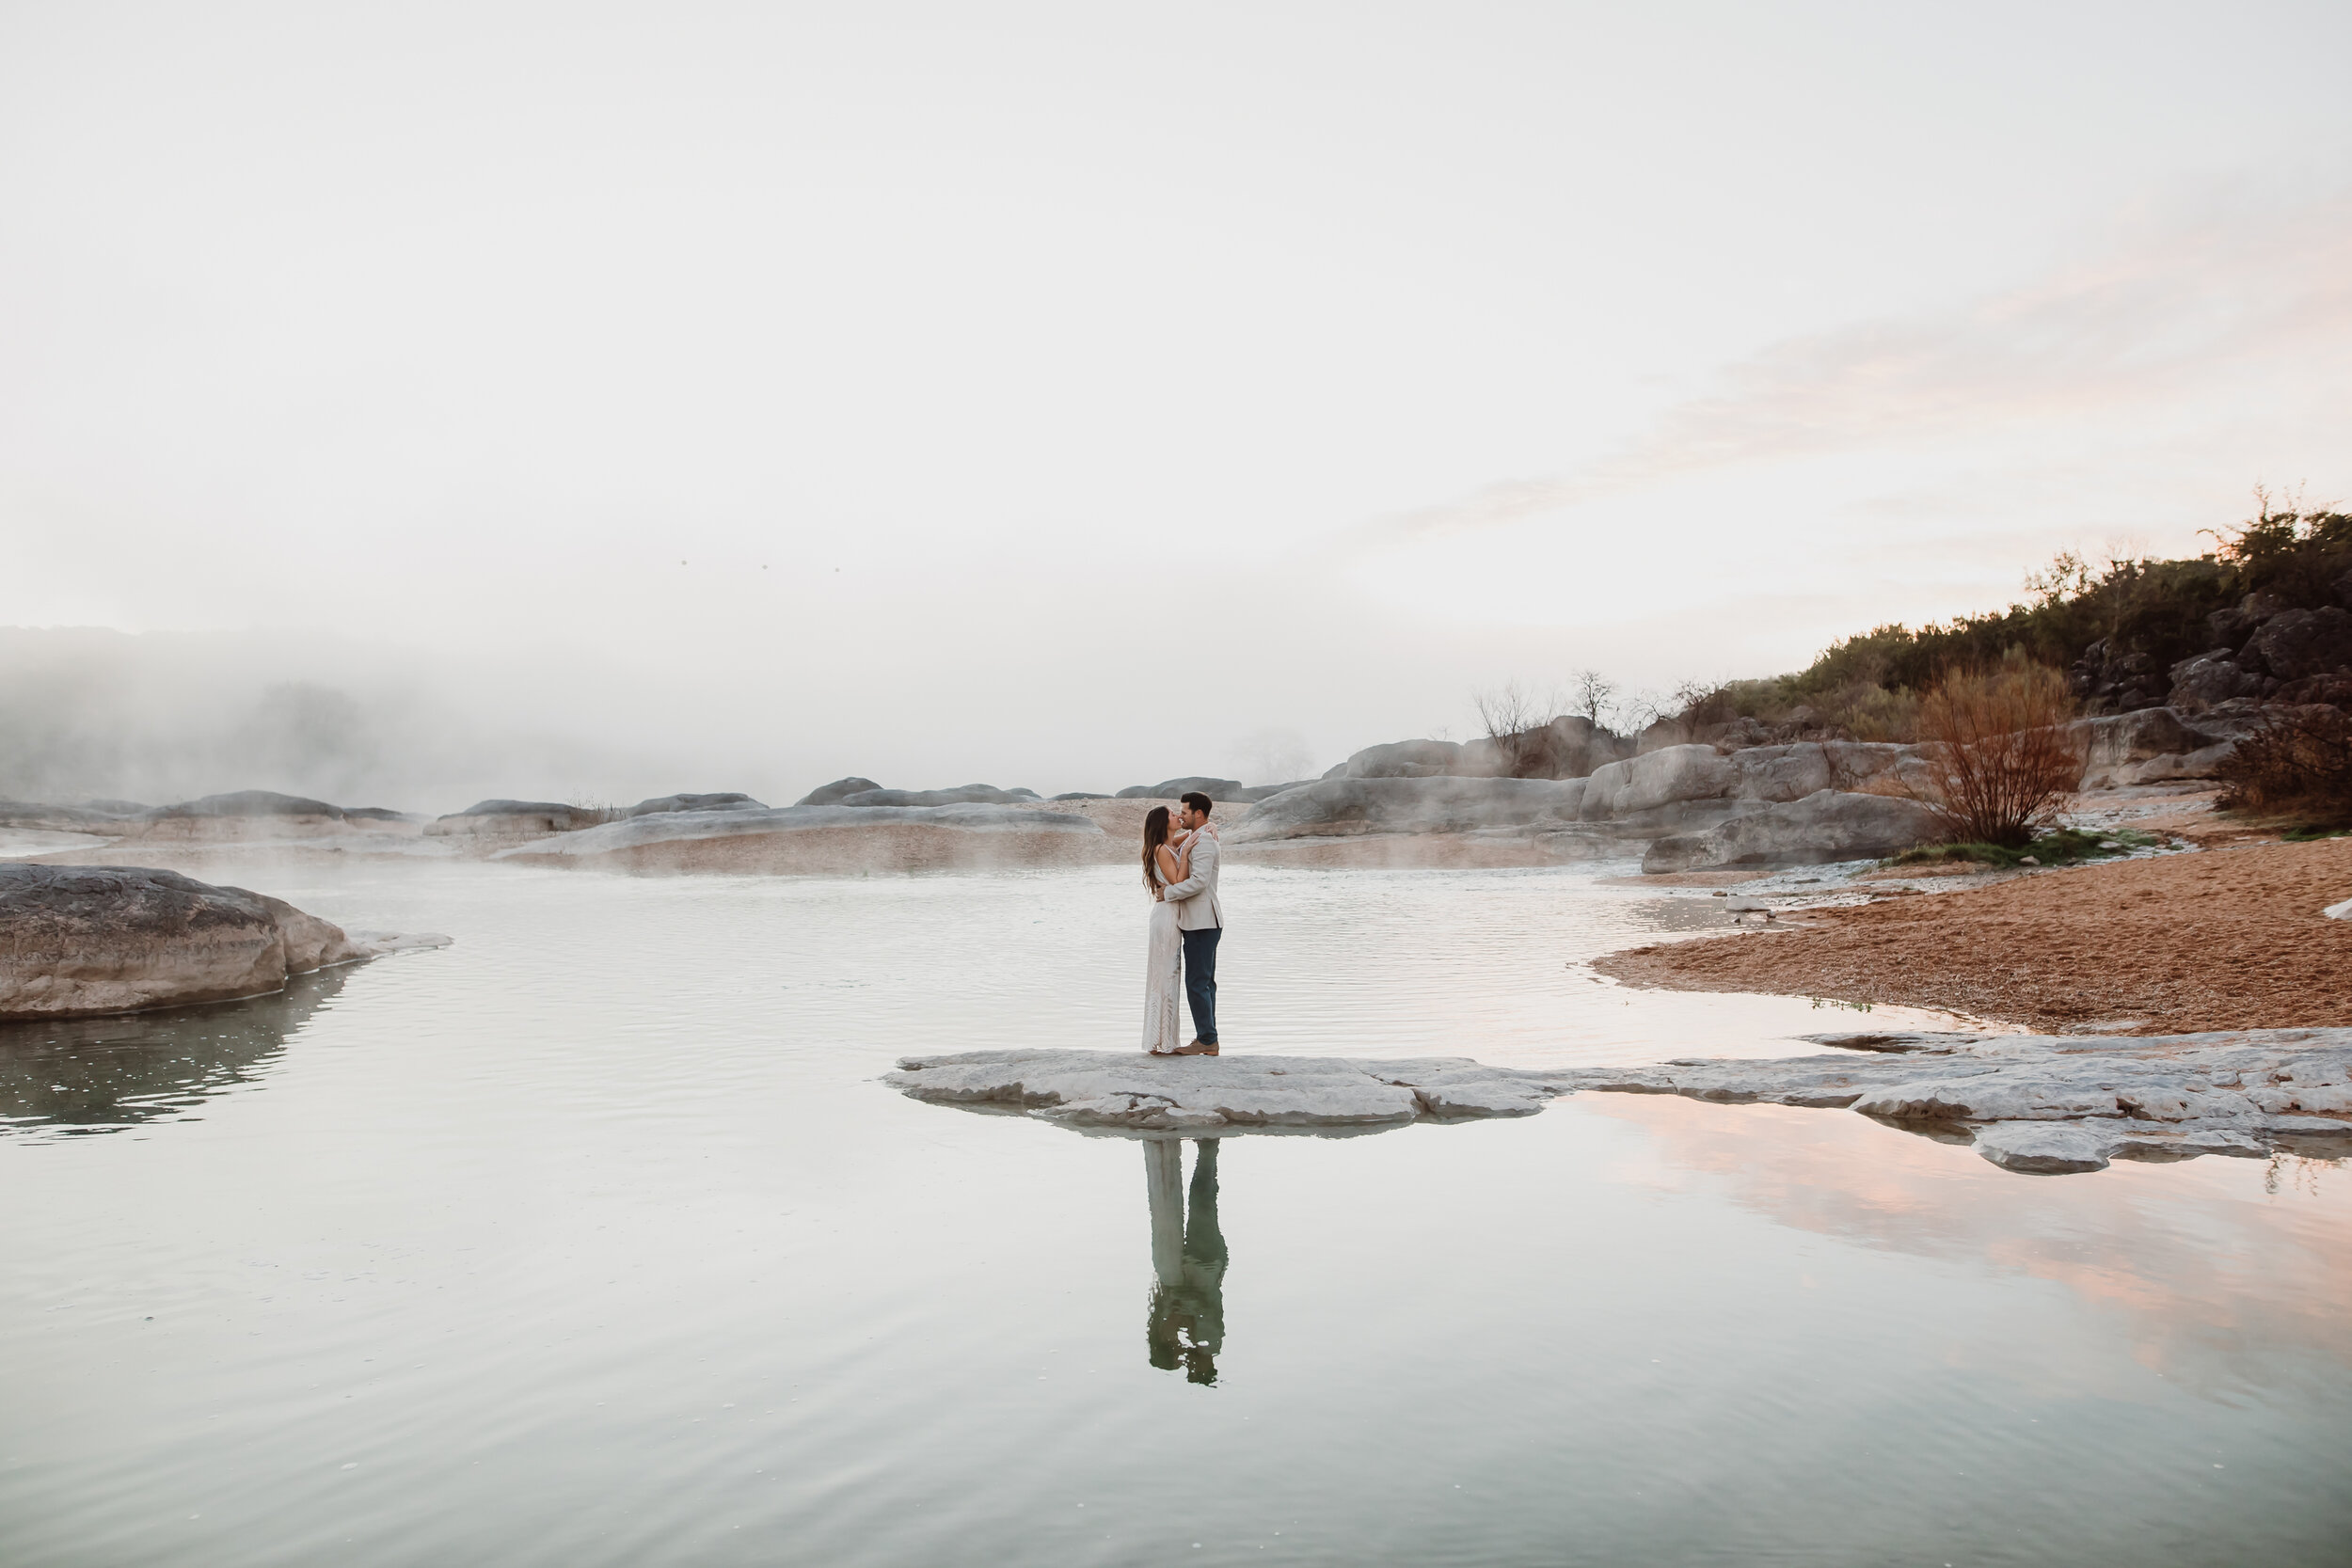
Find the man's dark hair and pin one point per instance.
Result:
(1194, 798)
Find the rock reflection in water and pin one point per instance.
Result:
(89, 1075)
(1187, 1325)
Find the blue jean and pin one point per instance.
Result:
(1201, 981)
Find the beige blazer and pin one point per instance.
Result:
(1195, 898)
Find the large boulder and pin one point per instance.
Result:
(2213, 678)
(246, 802)
(1829, 825)
(695, 803)
(104, 939)
(1568, 747)
(1654, 779)
(1254, 793)
(828, 840)
(1169, 789)
(2114, 679)
(836, 792)
(1401, 759)
(91, 817)
(2297, 643)
(1332, 808)
(512, 819)
(2119, 749)
(1793, 771)
(245, 814)
(962, 795)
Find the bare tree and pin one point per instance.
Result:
(1514, 718)
(1592, 697)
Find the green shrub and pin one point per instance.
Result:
(1867, 686)
(2065, 847)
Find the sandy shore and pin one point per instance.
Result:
(2229, 937)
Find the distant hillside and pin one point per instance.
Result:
(2266, 615)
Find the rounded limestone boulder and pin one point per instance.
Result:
(1171, 789)
(510, 819)
(102, 939)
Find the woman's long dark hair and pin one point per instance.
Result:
(1154, 834)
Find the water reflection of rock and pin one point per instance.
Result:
(1186, 1324)
(104, 1074)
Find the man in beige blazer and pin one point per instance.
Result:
(1202, 919)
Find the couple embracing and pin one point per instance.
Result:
(1179, 869)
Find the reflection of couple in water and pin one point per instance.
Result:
(1188, 1322)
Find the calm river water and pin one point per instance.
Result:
(592, 1239)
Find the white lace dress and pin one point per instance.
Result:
(1163, 979)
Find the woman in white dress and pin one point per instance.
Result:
(1167, 861)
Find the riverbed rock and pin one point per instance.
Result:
(2296, 644)
(2042, 1148)
(1171, 789)
(2037, 1105)
(836, 792)
(1791, 771)
(2203, 763)
(827, 841)
(87, 817)
(1348, 806)
(240, 815)
(1827, 825)
(1568, 747)
(511, 819)
(2113, 745)
(1401, 759)
(695, 803)
(2213, 678)
(2118, 679)
(1131, 1091)
(2244, 1092)
(1656, 778)
(961, 794)
(85, 940)
(1252, 794)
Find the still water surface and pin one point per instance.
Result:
(592, 1239)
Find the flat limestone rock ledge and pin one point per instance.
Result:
(826, 841)
(77, 941)
(2049, 1104)
(2037, 1104)
(1131, 1091)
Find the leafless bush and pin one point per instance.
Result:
(2299, 760)
(1517, 721)
(1997, 761)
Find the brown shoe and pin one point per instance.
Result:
(1195, 1049)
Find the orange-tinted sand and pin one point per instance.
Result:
(2229, 937)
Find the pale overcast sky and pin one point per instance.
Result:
(1077, 395)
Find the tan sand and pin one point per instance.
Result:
(2229, 937)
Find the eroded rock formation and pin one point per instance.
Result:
(84, 939)
(1827, 825)
(1135, 1092)
(2039, 1104)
